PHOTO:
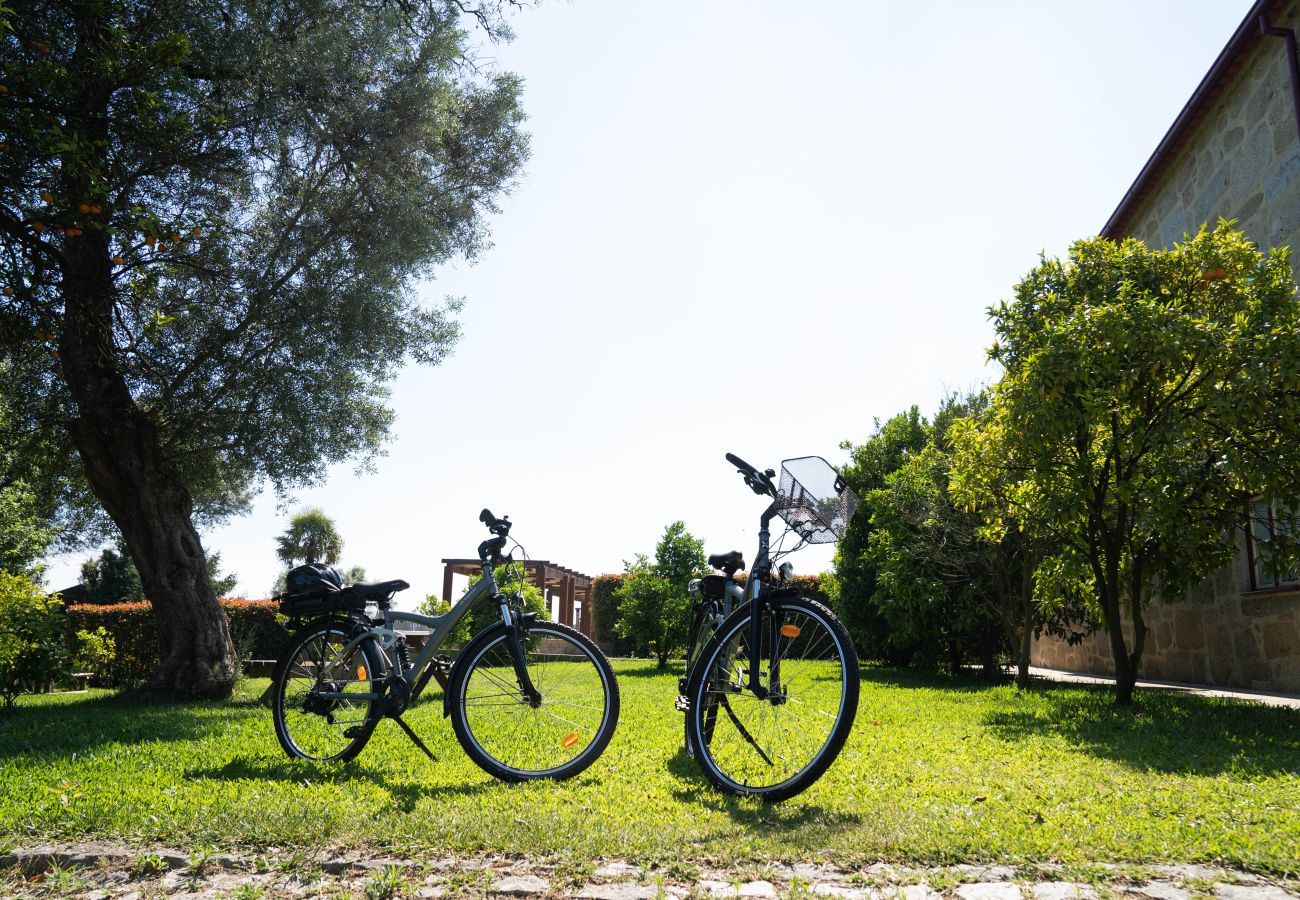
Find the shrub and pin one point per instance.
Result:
(256, 630)
(485, 614)
(93, 650)
(32, 650)
(604, 603)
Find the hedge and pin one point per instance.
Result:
(604, 606)
(604, 613)
(256, 630)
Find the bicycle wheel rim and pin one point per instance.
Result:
(315, 727)
(752, 745)
(546, 740)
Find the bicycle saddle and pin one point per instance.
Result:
(378, 588)
(731, 563)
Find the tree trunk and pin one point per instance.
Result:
(127, 469)
(1125, 674)
(1026, 641)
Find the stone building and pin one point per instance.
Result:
(1233, 153)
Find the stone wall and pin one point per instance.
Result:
(1241, 162)
(1220, 633)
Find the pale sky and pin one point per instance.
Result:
(749, 229)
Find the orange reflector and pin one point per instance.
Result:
(790, 631)
(569, 740)
(361, 673)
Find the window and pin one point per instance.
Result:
(1271, 525)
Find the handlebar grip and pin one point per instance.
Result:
(740, 463)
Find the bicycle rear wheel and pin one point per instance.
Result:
(323, 699)
(775, 744)
(515, 740)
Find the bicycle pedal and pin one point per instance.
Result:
(683, 704)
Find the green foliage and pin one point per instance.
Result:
(870, 464)
(94, 650)
(221, 584)
(112, 578)
(604, 603)
(25, 530)
(32, 651)
(256, 630)
(485, 614)
(652, 600)
(212, 224)
(1147, 394)
(311, 537)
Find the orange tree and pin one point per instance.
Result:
(1147, 395)
(212, 217)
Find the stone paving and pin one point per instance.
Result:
(110, 872)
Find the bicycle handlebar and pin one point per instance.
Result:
(759, 482)
(490, 548)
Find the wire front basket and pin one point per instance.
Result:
(814, 500)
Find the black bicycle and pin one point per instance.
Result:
(771, 684)
(527, 698)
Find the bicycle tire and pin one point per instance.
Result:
(773, 748)
(317, 728)
(513, 740)
(705, 612)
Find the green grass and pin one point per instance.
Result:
(936, 771)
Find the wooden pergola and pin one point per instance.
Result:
(556, 582)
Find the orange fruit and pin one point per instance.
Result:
(9, 292)
(198, 231)
(85, 209)
(117, 260)
(73, 232)
(47, 196)
(38, 226)
(150, 240)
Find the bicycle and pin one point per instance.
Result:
(527, 698)
(771, 683)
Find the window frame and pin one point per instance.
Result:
(1280, 581)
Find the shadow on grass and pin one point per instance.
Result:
(754, 813)
(1163, 732)
(647, 669)
(405, 794)
(65, 728)
(963, 682)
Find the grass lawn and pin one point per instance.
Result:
(936, 771)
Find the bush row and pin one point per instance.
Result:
(256, 629)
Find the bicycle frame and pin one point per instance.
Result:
(440, 628)
(756, 591)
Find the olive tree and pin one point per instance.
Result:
(213, 216)
(1147, 395)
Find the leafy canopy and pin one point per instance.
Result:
(1147, 394)
(310, 537)
(256, 187)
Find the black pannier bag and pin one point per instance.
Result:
(312, 589)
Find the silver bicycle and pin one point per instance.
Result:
(527, 698)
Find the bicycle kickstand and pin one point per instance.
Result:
(415, 738)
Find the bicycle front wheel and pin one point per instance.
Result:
(324, 699)
(774, 743)
(515, 739)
